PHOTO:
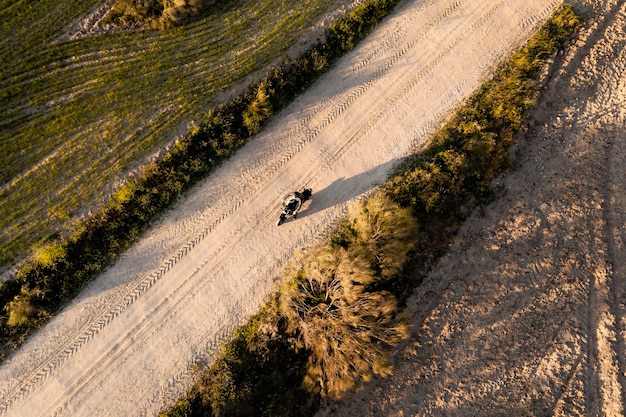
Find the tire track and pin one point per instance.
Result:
(125, 346)
(445, 12)
(25, 385)
(221, 259)
(613, 208)
(605, 384)
(397, 94)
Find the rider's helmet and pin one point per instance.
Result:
(294, 201)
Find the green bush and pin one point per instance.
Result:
(383, 234)
(50, 254)
(345, 33)
(22, 310)
(259, 109)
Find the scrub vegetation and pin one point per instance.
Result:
(156, 13)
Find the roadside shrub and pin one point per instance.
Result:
(22, 309)
(346, 328)
(182, 408)
(383, 234)
(259, 109)
(50, 254)
(332, 301)
(346, 32)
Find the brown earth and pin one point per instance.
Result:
(525, 316)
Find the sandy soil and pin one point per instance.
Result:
(502, 321)
(526, 314)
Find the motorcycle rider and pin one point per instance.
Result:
(294, 204)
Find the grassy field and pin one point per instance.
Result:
(77, 115)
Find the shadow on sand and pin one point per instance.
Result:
(345, 189)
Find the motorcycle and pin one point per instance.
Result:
(292, 203)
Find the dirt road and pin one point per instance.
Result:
(129, 344)
(526, 314)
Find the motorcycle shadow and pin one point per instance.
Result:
(345, 189)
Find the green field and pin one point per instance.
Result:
(77, 115)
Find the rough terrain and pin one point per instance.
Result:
(522, 295)
(525, 316)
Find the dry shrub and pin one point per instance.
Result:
(346, 328)
(21, 310)
(384, 232)
(160, 14)
(329, 302)
(177, 11)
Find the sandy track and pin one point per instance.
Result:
(526, 314)
(128, 345)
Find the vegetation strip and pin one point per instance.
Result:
(339, 311)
